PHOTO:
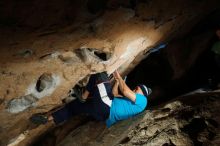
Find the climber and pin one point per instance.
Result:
(102, 102)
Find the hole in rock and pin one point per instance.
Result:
(125, 140)
(169, 144)
(91, 54)
(104, 56)
(101, 55)
(45, 81)
(166, 110)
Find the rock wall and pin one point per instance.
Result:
(179, 122)
(47, 47)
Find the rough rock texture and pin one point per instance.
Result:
(180, 122)
(48, 47)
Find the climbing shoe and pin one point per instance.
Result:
(39, 119)
(77, 92)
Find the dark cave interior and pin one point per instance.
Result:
(156, 70)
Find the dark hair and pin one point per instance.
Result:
(146, 91)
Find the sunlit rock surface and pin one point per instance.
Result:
(47, 47)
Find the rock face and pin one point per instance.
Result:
(48, 47)
(180, 122)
